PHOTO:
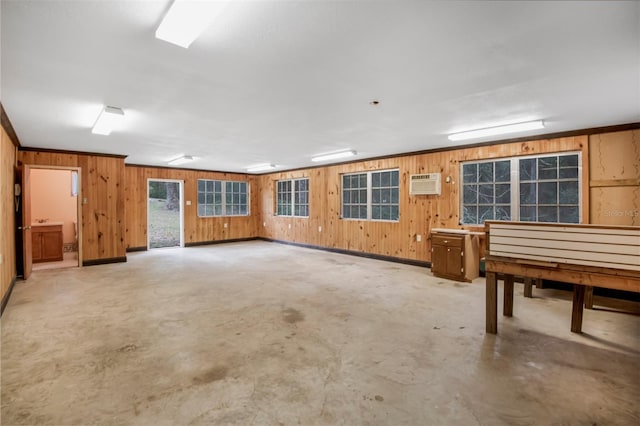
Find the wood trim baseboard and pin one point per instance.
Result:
(93, 262)
(133, 249)
(383, 257)
(7, 295)
(211, 242)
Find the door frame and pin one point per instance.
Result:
(181, 201)
(27, 256)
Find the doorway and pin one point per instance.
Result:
(165, 216)
(54, 217)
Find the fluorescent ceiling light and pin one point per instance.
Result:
(333, 156)
(187, 19)
(498, 130)
(181, 160)
(108, 119)
(261, 167)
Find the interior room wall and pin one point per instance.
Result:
(8, 225)
(102, 207)
(196, 229)
(51, 200)
(418, 214)
(107, 180)
(615, 178)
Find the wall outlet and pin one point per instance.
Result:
(264, 224)
(226, 225)
(418, 237)
(84, 200)
(319, 228)
(188, 202)
(289, 226)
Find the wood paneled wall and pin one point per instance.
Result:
(614, 165)
(102, 185)
(418, 214)
(196, 229)
(8, 225)
(115, 216)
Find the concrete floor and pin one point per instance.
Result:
(263, 333)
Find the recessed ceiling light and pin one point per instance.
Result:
(181, 160)
(187, 19)
(108, 119)
(498, 130)
(261, 167)
(333, 156)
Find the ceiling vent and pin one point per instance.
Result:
(428, 184)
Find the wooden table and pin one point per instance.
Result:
(582, 255)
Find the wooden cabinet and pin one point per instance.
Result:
(47, 243)
(455, 255)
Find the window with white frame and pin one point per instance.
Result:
(486, 191)
(543, 188)
(301, 197)
(371, 195)
(292, 197)
(222, 198)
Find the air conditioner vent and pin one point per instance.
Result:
(427, 184)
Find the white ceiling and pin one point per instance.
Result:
(279, 81)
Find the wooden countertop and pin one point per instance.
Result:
(456, 231)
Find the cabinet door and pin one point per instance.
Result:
(454, 262)
(439, 259)
(52, 245)
(36, 245)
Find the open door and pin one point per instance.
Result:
(27, 253)
(165, 216)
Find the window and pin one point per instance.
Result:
(371, 195)
(486, 191)
(301, 197)
(74, 183)
(283, 197)
(292, 197)
(222, 198)
(550, 189)
(543, 188)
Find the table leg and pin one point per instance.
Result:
(588, 297)
(507, 301)
(528, 287)
(577, 308)
(492, 303)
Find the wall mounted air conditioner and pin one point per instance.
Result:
(428, 184)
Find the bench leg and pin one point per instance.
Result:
(492, 303)
(577, 308)
(507, 302)
(588, 297)
(528, 287)
(539, 283)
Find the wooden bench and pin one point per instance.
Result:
(582, 255)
